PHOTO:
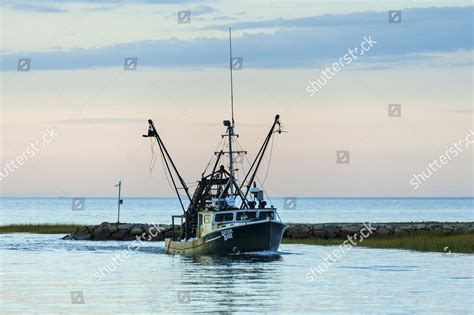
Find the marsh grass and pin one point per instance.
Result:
(424, 242)
(39, 228)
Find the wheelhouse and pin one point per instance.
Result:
(209, 221)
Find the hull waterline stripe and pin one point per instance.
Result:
(213, 239)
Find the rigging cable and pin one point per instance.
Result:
(166, 173)
(256, 176)
(269, 161)
(152, 163)
(213, 156)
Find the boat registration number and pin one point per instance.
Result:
(227, 234)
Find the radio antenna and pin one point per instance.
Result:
(231, 83)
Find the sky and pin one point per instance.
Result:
(398, 94)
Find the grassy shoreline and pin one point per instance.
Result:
(425, 242)
(39, 228)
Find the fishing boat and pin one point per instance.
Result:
(224, 215)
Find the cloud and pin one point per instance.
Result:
(202, 10)
(10, 2)
(52, 7)
(411, 17)
(100, 9)
(36, 8)
(316, 41)
(224, 18)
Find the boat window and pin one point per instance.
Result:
(246, 215)
(221, 217)
(207, 219)
(266, 214)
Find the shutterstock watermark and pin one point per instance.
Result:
(29, 153)
(451, 153)
(347, 59)
(332, 257)
(119, 258)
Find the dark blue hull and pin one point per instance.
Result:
(251, 237)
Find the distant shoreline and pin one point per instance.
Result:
(445, 237)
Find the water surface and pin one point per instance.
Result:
(38, 273)
(307, 210)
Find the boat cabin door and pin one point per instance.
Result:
(205, 223)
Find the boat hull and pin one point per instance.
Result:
(249, 237)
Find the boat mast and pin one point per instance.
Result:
(230, 127)
(231, 83)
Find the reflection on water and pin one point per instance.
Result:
(221, 279)
(228, 259)
(38, 273)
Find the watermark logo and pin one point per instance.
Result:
(77, 17)
(436, 164)
(342, 157)
(329, 72)
(131, 156)
(184, 297)
(78, 204)
(121, 257)
(23, 65)
(130, 63)
(394, 110)
(289, 203)
(446, 63)
(29, 153)
(236, 63)
(238, 157)
(395, 16)
(331, 257)
(77, 297)
(184, 17)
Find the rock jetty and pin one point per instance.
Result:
(342, 230)
(121, 232)
(154, 232)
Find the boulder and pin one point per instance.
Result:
(136, 230)
(351, 229)
(422, 227)
(447, 227)
(113, 228)
(159, 237)
(101, 235)
(330, 228)
(119, 235)
(382, 231)
(126, 226)
(82, 236)
(299, 231)
(400, 231)
(318, 234)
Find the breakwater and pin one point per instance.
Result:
(155, 232)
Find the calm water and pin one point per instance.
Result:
(38, 273)
(309, 210)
